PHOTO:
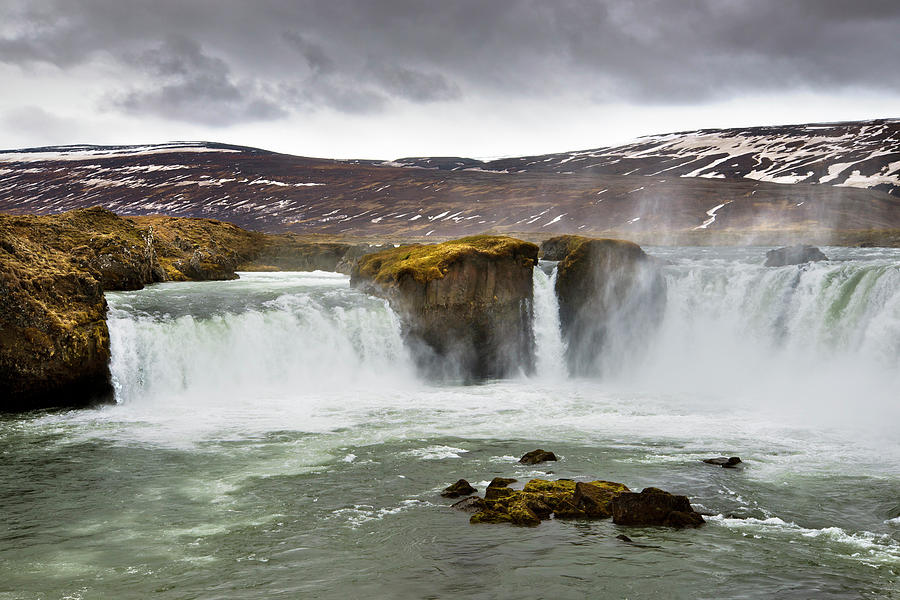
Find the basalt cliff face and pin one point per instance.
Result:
(611, 299)
(465, 305)
(54, 343)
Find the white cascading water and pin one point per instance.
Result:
(319, 336)
(823, 338)
(550, 361)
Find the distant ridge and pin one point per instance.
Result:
(819, 177)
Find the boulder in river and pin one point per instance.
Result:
(793, 255)
(465, 305)
(723, 461)
(612, 296)
(460, 488)
(654, 507)
(537, 456)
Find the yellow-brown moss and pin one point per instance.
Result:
(428, 262)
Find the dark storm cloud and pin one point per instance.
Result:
(231, 61)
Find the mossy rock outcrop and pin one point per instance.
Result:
(54, 344)
(465, 305)
(541, 499)
(612, 297)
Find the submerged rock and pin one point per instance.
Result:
(611, 300)
(465, 305)
(654, 507)
(722, 461)
(537, 456)
(471, 504)
(460, 488)
(793, 255)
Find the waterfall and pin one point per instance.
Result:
(268, 335)
(805, 336)
(549, 349)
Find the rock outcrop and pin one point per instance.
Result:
(793, 255)
(540, 499)
(54, 344)
(611, 300)
(465, 305)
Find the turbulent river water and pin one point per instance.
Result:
(271, 440)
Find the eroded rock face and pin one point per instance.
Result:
(54, 344)
(793, 255)
(465, 305)
(611, 300)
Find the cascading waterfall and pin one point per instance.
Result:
(812, 337)
(279, 335)
(549, 349)
(824, 331)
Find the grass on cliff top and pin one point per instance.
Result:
(428, 262)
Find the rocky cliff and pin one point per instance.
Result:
(611, 299)
(465, 305)
(54, 345)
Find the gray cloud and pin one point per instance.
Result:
(189, 85)
(256, 60)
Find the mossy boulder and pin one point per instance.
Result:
(612, 297)
(465, 305)
(541, 498)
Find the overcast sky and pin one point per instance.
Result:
(391, 78)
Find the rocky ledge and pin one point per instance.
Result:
(465, 305)
(541, 499)
(611, 299)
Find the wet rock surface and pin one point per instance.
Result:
(465, 305)
(542, 499)
(654, 507)
(793, 255)
(723, 461)
(612, 296)
(460, 488)
(537, 456)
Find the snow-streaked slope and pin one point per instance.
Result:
(445, 197)
(864, 154)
